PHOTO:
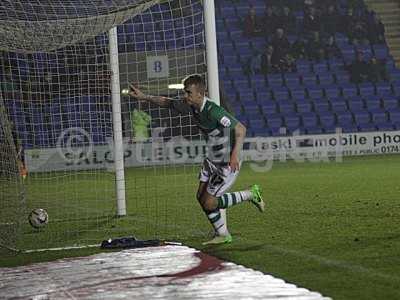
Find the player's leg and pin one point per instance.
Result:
(223, 180)
(215, 217)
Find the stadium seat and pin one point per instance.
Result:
(344, 118)
(258, 82)
(362, 117)
(292, 80)
(256, 123)
(349, 90)
(342, 77)
(275, 80)
(269, 107)
(315, 92)
(309, 79)
(321, 105)
(338, 104)
(373, 102)
(383, 89)
(332, 91)
(261, 132)
(314, 130)
(292, 122)
(327, 119)
(366, 89)
(390, 102)
(394, 117)
(303, 106)
(387, 126)
(369, 127)
(310, 119)
(355, 103)
(298, 93)
(286, 107)
(379, 116)
(274, 120)
(380, 51)
(264, 95)
(281, 93)
(326, 79)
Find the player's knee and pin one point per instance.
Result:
(209, 204)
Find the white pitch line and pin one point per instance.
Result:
(333, 263)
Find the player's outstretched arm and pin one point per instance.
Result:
(240, 133)
(139, 95)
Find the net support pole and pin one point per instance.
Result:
(212, 59)
(117, 123)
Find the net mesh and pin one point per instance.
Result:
(55, 74)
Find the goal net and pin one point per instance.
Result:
(57, 98)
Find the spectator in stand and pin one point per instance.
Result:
(330, 21)
(331, 49)
(287, 20)
(377, 71)
(314, 48)
(376, 30)
(251, 23)
(287, 64)
(356, 28)
(269, 60)
(280, 43)
(358, 69)
(270, 21)
(298, 48)
(312, 22)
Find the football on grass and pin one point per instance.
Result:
(38, 218)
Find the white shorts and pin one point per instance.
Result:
(219, 178)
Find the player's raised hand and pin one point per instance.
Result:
(136, 93)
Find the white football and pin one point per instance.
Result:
(38, 218)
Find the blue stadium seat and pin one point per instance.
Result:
(241, 84)
(315, 92)
(298, 93)
(321, 105)
(309, 79)
(228, 12)
(310, 119)
(327, 119)
(366, 89)
(355, 103)
(338, 104)
(275, 80)
(344, 118)
(396, 91)
(304, 106)
(349, 90)
(390, 102)
(394, 117)
(314, 130)
(379, 116)
(258, 82)
(303, 66)
(387, 126)
(292, 80)
(261, 132)
(332, 91)
(326, 79)
(292, 122)
(269, 107)
(368, 127)
(362, 117)
(373, 102)
(381, 51)
(274, 120)
(256, 123)
(286, 107)
(383, 89)
(264, 95)
(342, 77)
(320, 68)
(280, 93)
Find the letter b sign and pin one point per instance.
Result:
(157, 66)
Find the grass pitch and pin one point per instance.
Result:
(330, 227)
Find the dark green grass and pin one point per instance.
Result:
(330, 227)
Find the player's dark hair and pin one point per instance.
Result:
(195, 79)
